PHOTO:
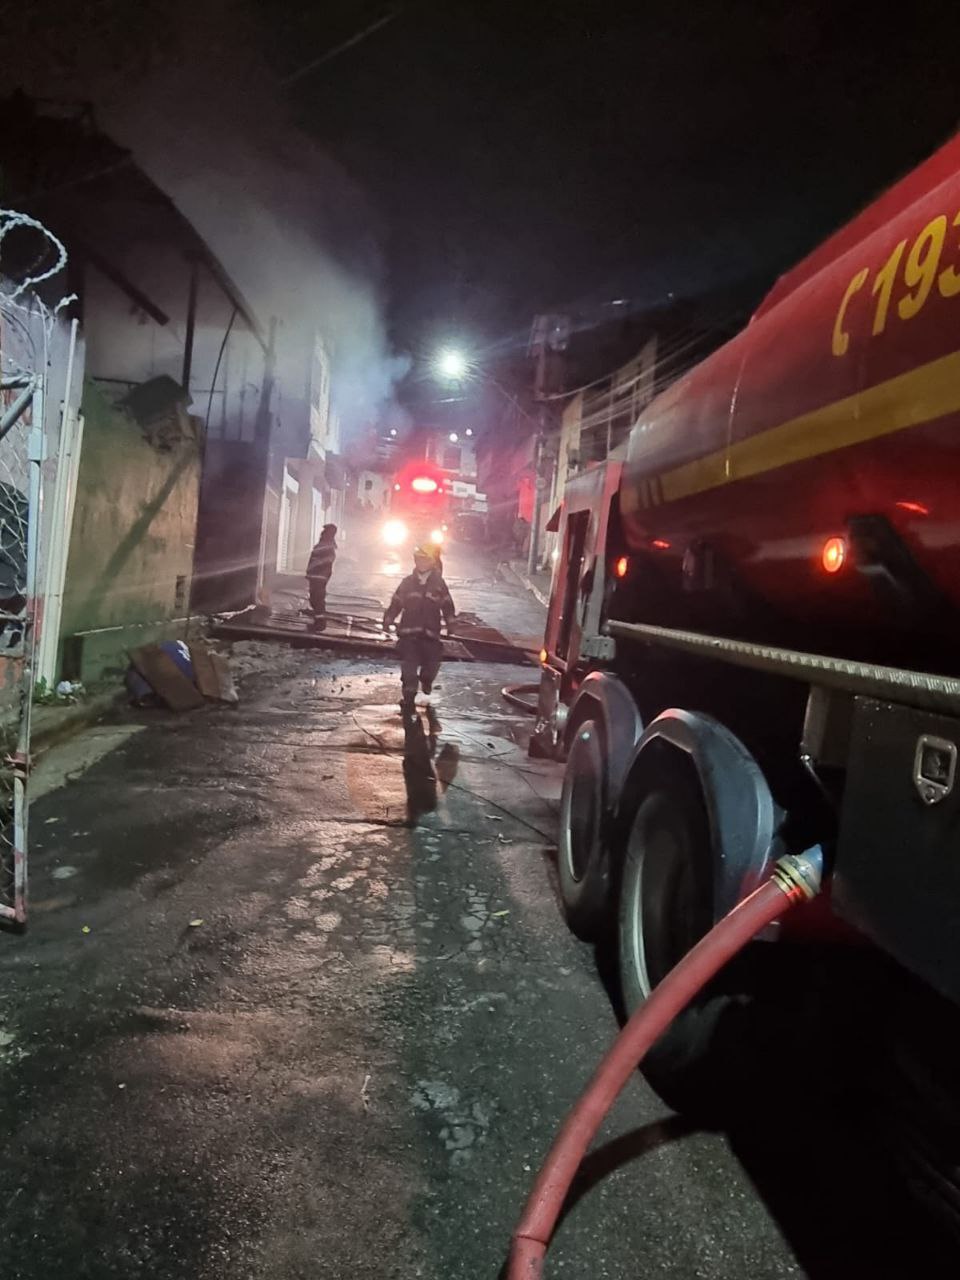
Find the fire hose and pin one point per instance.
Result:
(511, 693)
(795, 879)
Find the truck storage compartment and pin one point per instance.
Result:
(897, 874)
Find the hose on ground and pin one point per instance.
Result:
(512, 692)
(795, 879)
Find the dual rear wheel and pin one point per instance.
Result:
(816, 1023)
(652, 880)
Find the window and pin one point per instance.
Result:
(368, 485)
(451, 460)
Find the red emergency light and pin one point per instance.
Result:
(833, 555)
(423, 484)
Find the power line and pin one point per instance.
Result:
(342, 47)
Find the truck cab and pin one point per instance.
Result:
(584, 576)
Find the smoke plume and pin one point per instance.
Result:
(188, 92)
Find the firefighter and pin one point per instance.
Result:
(319, 569)
(419, 604)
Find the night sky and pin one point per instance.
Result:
(526, 156)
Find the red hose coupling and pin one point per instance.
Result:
(799, 875)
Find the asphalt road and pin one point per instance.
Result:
(297, 1002)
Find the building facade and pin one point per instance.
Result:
(191, 404)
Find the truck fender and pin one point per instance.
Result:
(739, 805)
(602, 696)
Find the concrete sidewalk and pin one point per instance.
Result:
(538, 584)
(53, 723)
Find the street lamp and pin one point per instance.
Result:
(453, 364)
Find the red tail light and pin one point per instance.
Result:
(833, 555)
(622, 567)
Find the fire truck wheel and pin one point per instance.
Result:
(666, 906)
(724, 1058)
(584, 882)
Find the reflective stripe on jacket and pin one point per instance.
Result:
(420, 605)
(320, 564)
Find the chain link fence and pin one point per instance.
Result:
(26, 325)
(14, 662)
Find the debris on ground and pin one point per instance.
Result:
(167, 670)
(67, 691)
(182, 677)
(258, 657)
(213, 675)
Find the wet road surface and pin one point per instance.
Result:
(297, 1002)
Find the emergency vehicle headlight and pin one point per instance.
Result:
(436, 537)
(394, 533)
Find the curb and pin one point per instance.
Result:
(507, 571)
(53, 725)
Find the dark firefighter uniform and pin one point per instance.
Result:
(319, 569)
(420, 602)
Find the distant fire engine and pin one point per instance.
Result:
(419, 507)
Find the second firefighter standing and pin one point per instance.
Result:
(319, 571)
(420, 605)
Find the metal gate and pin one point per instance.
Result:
(26, 325)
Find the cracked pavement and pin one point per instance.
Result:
(297, 1002)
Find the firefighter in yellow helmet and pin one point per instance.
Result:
(420, 605)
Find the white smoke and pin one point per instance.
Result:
(205, 119)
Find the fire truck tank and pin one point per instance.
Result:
(803, 483)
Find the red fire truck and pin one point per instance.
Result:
(419, 506)
(753, 647)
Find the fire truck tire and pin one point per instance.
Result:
(666, 906)
(724, 1057)
(581, 857)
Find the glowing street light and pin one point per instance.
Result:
(453, 437)
(452, 364)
